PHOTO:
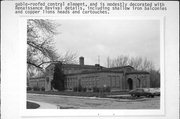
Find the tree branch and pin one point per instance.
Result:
(34, 65)
(48, 62)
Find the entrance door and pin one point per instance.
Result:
(130, 84)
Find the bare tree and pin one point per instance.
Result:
(155, 78)
(69, 57)
(147, 65)
(120, 61)
(137, 62)
(40, 45)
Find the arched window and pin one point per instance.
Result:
(130, 84)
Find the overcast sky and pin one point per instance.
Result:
(93, 38)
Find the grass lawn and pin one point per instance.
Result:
(83, 94)
(31, 105)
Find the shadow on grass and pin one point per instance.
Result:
(31, 105)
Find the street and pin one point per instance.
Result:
(74, 102)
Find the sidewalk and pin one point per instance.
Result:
(44, 105)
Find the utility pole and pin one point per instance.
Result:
(98, 59)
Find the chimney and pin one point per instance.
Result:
(81, 60)
(97, 65)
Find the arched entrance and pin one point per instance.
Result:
(130, 84)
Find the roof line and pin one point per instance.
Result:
(91, 72)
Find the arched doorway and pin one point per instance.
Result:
(130, 84)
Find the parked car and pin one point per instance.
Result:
(141, 92)
(156, 91)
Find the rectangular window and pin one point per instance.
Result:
(117, 81)
(113, 82)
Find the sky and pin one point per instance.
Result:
(109, 37)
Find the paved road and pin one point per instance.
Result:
(66, 102)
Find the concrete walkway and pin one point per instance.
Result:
(44, 105)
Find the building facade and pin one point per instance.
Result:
(123, 78)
